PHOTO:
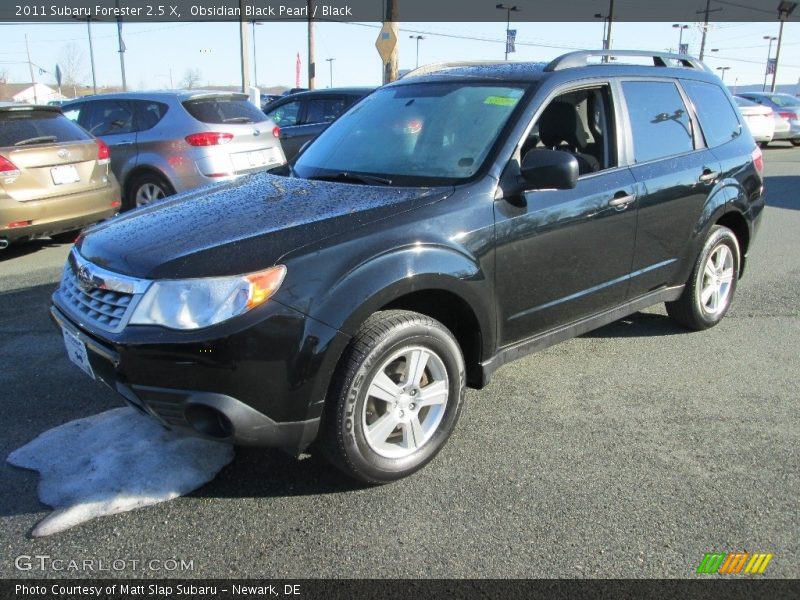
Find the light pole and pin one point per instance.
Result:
(255, 60)
(418, 38)
(330, 65)
(771, 39)
(509, 10)
(91, 50)
(608, 20)
(680, 28)
(723, 69)
(785, 8)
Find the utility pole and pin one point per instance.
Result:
(705, 26)
(30, 66)
(255, 60)
(312, 64)
(244, 43)
(91, 52)
(391, 17)
(785, 8)
(330, 64)
(610, 23)
(121, 51)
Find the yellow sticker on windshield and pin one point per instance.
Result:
(501, 100)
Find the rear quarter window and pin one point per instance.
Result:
(30, 127)
(220, 110)
(148, 113)
(718, 118)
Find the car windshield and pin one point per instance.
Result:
(414, 134)
(784, 100)
(744, 101)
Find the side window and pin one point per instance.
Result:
(659, 119)
(718, 119)
(108, 117)
(286, 114)
(325, 110)
(73, 112)
(579, 122)
(148, 113)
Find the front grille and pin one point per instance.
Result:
(105, 308)
(98, 298)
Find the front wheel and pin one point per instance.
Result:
(395, 399)
(145, 189)
(709, 291)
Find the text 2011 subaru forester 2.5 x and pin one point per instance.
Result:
(452, 221)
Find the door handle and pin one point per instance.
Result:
(708, 176)
(621, 202)
(125, 143)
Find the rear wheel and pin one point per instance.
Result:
(65, 237)
(795, 142)
(763, 144)
(145, 189)
(709, 291)
(395, 399)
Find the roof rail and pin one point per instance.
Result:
(581, 59)
(434, 67)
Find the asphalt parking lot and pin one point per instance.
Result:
(628, 452)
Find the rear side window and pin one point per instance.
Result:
(224, 109)
(107, 117)
(30, 127)
(718, 119)
(148, 113)
(659, 119)
(285, 115)
(325, 110)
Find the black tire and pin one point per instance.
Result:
(344, 434)
(145, 181)
(795, 142)
(691, 310)
(763, 144)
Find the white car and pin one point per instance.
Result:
(759, 119)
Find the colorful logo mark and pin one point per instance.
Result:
(734, 563)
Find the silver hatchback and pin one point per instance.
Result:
(167, 142)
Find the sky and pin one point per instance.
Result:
(158, 51)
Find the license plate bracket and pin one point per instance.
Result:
(76, 350)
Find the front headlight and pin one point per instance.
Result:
(197, 303)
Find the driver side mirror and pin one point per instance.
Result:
(544, 169)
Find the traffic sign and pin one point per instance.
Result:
(386, 42)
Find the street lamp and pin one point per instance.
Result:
(91, 49)
(418, 38)
(723, 69)
(771, 39)
(255, 62)
(785, 8)
(509, 10)
(330, 64)
(681, 28)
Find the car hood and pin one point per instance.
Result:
(240, 227)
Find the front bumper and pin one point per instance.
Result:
(261, 383)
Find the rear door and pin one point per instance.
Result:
(53, 156)
(112, 121)
(676, 173)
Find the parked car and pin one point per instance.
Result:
(450, 222)
(167, 142)
(786, 111)
(304, 115)
(759, 119)
(266, 99)
(54, 177)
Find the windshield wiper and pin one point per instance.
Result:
(42, 139)
(357, 177)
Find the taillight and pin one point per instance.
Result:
(758, 159)
(276, 131)
(116, 203)
(103, 153)
(8, 170)
(788, 115)
(18, 224)
(209, 138)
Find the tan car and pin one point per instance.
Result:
(54, 176)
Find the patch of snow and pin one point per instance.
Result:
(114, 462)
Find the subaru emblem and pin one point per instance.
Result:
(256, 132)
(85, 277)
(63, 154)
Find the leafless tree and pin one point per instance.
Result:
(191, 77)
(3, 76)
(73, 66)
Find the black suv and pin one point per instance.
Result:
(454, 220)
